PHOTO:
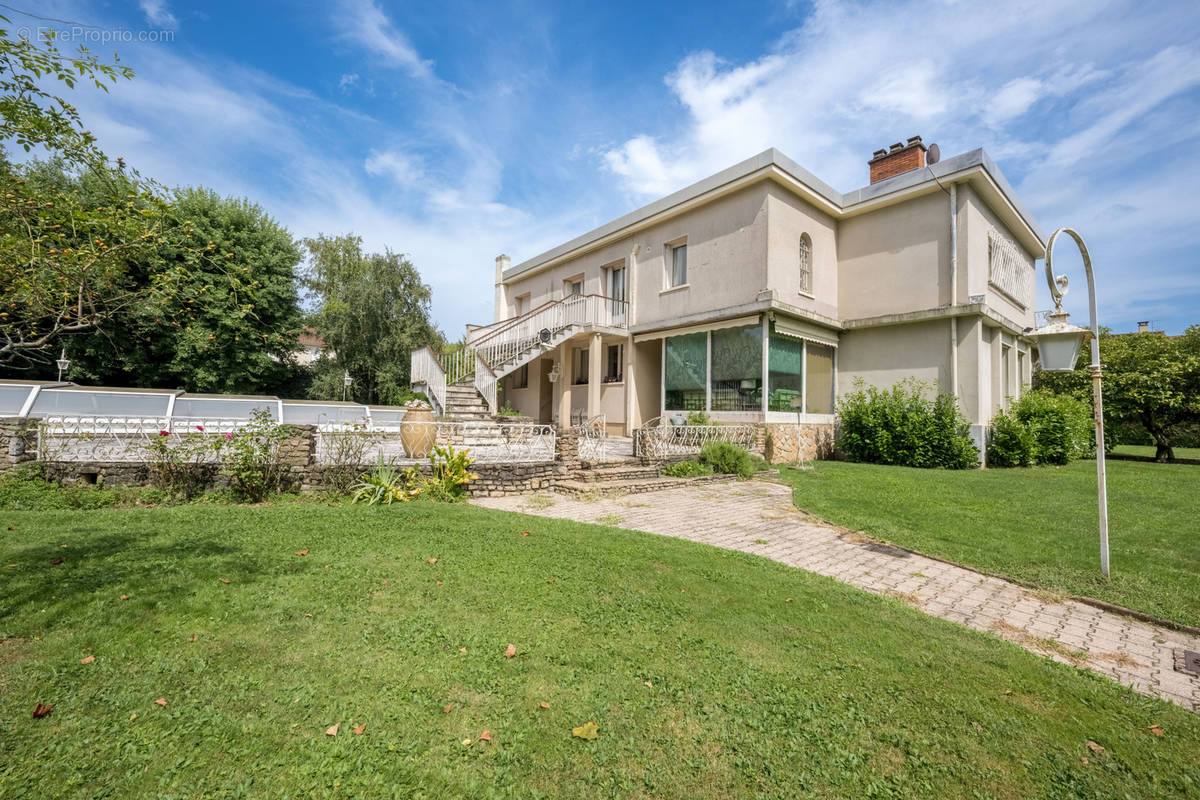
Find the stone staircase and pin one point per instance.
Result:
(465, 406)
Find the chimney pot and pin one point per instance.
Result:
(897, 146)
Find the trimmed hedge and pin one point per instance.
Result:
(900, 426)
(1041, 427)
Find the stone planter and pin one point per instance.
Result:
(417, 432)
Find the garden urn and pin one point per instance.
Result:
(418, 432)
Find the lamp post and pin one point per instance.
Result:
(63, 363)
(1058, 345)
(346, 381)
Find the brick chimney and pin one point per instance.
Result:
(899, 158)
(1144, 327)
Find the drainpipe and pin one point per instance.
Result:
(954, 288)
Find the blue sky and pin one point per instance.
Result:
(459, 130)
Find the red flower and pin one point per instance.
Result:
(229, 436)
(163, 433)
(199, 427)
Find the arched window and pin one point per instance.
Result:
(805, 264)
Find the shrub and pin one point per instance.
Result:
(1041, 428)
(386, 484)
(251, 457)
(26, 489)
(698, 418)
(686, 469)
(182, 469)
(450, 472)
(900, 426)
(344, 454)
(727, 459)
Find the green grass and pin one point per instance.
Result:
(1037, 525)
(704, 679)
(1150, 450)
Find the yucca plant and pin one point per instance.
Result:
(386, 484)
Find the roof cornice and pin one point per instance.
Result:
(773, 165)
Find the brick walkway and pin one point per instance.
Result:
(738, 516)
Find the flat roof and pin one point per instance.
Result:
(772, 161)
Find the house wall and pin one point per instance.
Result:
(788, 218)
(896, 259)
(886, 355)
(976, 221)
(727, 245)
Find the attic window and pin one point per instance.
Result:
(805, 264)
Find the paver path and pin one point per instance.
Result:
(736, 516)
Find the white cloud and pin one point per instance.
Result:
(1014, 99)
(348, 81)
(362, 22)
(157, 13)
(402, 168)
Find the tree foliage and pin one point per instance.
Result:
(372, 310)
(1149, 380)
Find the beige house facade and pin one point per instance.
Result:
(760, 294)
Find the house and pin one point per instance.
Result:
(761, 293)
(312, 347)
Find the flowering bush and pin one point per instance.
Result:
(181, 469)
(251, 457)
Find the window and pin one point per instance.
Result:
(677, 266)
(580, 373)
(786, 379)
(573, 286)
(522, 305)
(521, 378)
(1006, 389)
(818, 398)
(737, 369)
(614, 363)
(805, 264)
(616, 290)
(685, 370)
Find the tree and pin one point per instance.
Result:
(372, 310)
(63, 259)
(1149, 380)
(235, 316)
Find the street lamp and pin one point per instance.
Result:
(63, 363)
(1058, 346)
(346, 381)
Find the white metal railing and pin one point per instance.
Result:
(658, 438)
(485, 382)
(427, 370)
(412, 442)
(592, 435)
(85, 438)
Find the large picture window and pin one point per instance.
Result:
(684, 372)
(737, 369)
(786, 384)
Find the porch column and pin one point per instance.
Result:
(632, 418)
(594, 373)
(564, 385)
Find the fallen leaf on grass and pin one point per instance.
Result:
(162, 701)
(486, 736)
(544, 704)
(447, 709)
(358, 731)
(224, 580)
(308, 615)
(133, 716)
(650, 684)
(588, 730)
(193, 638)
(524, 533)
(90, 659)
(1095, 748)
(466, 742)
(510, 651)
(57, 561)
(385, 580)
(462, 649)
(333, 729)
(1156, 730)
(431, 560)
(1084, 759)
(124, 597)
(439, 583)
(301, 552)
(41, 710)
(788, 600)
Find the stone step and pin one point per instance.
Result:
(618, 473)
(578, 488)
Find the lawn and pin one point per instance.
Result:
(708, 673)
(1150, 451)
(1037, 525)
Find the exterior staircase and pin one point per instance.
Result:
(477, 427)
(505, 346)
(624, 479)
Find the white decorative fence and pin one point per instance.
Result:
(126, 438)
(659, 439)
(412, 442)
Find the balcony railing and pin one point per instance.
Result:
(506, 345)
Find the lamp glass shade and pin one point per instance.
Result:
(63, 363)
(1060, 351)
